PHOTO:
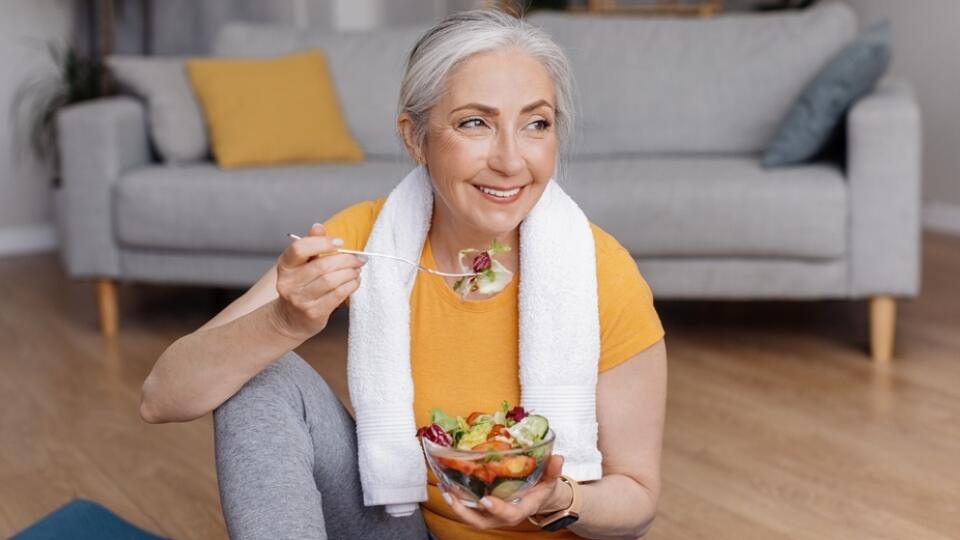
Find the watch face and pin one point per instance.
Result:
(561, 523)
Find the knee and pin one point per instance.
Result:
(279, 383)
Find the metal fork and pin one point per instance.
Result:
(394, 257)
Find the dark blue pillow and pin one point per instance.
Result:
(850, 75)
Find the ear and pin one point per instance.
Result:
(406, 128)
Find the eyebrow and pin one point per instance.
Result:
(494, 111)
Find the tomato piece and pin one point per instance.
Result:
(513, 466)
(460, 465)
(473, 416)
(498, 429)
(485, 474)
(496, 446)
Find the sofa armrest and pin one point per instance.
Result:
(884, 172)
(99, 141)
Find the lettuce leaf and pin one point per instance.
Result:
(447, 422)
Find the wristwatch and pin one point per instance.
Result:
(563, 518)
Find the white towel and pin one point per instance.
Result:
(559, 340)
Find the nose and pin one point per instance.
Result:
(505, 156)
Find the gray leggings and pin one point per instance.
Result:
(287, 462)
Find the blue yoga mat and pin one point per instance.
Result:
(83, 520)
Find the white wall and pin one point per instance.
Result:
(25, 209)
(926, 51)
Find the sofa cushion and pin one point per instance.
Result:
(201, 207)
(726, 206)
(849, 76)
(175, 121)
(714, 206)
(272, 111)
(366, 68)
(673, 85)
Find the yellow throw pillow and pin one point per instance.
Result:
(270, 111)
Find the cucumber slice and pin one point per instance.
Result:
(530, 430)
(537, 425)
(506, 488)
(538, 453)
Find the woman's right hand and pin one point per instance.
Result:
(312, 280)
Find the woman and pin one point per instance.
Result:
(486, 103)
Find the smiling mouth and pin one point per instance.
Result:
(500, 193)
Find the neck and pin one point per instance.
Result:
(448, 236)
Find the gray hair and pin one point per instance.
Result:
(461, 35)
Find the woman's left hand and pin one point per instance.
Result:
(494, 512)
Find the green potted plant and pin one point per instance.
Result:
(75, 78)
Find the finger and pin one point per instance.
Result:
(329, 282)
(343, 291)
(533, 500)
(301, 251)
(507, 512)
(317, 229)
(334, 298)
(321, 266)
(514, 512)
(554, 467)
(542, 491)
(293, 280)
(467, 515)
(337, 261)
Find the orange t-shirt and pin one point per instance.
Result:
(464, 356)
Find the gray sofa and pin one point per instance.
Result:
(674, 116)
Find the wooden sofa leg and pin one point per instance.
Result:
(107, 306)
(883, 318)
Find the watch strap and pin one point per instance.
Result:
(565, 516)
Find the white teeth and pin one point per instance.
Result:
(496, 193)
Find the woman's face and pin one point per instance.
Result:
(492, 131)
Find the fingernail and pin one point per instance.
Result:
(486, 502)
(314, 225)
(363, 258)
(447, 498)
(338, 242)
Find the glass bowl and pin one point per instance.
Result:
(473, 474)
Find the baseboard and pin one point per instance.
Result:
(31, 239)
(941, 217)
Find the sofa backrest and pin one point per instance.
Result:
(366, 68)
(683, 85)
(645, 85)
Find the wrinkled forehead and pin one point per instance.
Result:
(507, 79)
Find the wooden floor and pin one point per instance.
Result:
(778, 425)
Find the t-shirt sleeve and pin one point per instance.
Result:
(628, 321)
(354, 223)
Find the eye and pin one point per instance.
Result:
(469, 120)
(543, 125)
